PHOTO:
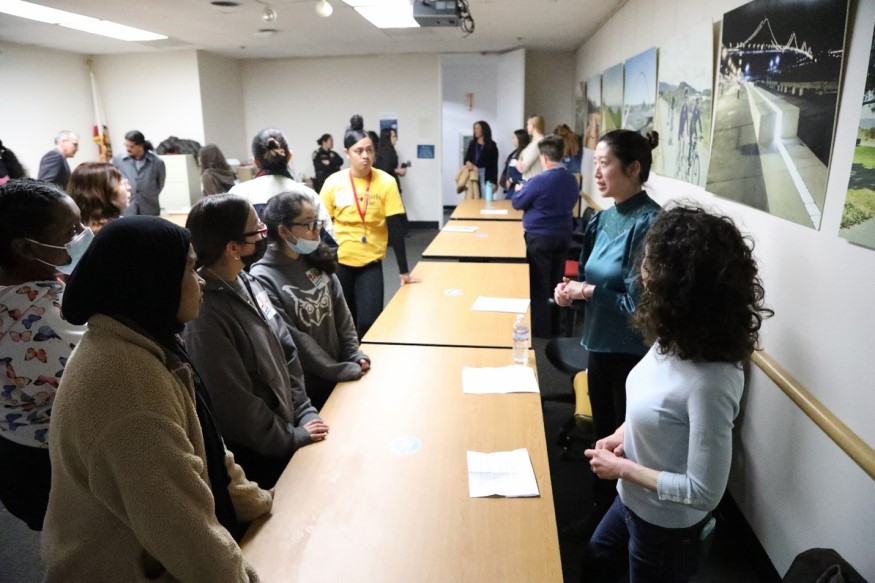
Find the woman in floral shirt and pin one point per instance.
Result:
(41, 235)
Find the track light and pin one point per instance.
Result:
(324, 9)
(268, 14)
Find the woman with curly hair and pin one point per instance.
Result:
(702, 309)
(100, 191)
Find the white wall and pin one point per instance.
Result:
(308, 97)
(797, 489)
(510, 107)
(221, 90)
(155, 93)
(550, 83)
(44, 92)
(462, 74)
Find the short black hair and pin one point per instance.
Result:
(27, 207)
(215, 221)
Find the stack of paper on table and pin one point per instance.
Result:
(459, 229)
(513, 305)
(493, 211)
(501, 473)
(502, 379)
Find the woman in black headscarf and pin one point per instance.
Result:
(142, 485)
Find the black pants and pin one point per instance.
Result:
(545, 255)
(25, 479)
(607, 374)
(262, 469)
(363, 291)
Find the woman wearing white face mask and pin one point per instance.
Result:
(298, 273)
(41, 235)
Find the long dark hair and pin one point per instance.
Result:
(386, 158)
(523, 138)
(210, 156)
(283, 209)
(14, 169)
(139, 139)
(703, 297)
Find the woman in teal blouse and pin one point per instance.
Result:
(608, 281)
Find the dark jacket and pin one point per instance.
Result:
(485, 157)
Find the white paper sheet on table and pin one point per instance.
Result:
(501, 473)
(493, 211)
(459, 229)
(513, 305)
(515, 378)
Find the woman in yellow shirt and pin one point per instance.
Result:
(368, 214)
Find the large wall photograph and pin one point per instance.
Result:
(858, 216)
(580, 108)
(593, 112)
(683, 108)
(777, 95)
(612, 98)
(639, 92)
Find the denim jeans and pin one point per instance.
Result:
(623, 542)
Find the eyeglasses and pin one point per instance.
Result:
(311, 226)
(260, 229)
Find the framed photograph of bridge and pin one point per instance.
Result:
(858, 216)
(639, 92)
(683, 106)
(612, 98)
(593, 112)
(776, 102)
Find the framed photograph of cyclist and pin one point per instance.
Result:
(778, 83)
(612, 99)
(683, 105)
(858, 215)
(593, 130)
(639, 92)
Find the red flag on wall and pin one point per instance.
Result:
(100, 132)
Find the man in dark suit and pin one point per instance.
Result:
(53, 167)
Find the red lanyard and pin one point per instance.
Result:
(355, 196)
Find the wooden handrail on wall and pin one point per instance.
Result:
(840, 433)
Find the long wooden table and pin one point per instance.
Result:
(471, 209)
(492, 241)
(385, 497)
(438, 312)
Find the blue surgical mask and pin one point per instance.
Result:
(303, 246)
(76, 248)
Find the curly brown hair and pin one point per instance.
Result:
(703, 297)
(93, 186)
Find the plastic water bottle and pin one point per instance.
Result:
(488, 196)
(520, 340)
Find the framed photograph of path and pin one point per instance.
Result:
(612, 98)
(593, 112)
(639, 92)
(778, 86)
(683, 106)
(858, 216)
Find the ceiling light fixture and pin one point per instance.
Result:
(324, 9)
(66, 19)
(386, 13)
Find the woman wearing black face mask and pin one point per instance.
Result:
(242, 347)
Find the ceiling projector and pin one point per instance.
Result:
(436, 12)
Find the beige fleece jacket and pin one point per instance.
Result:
(130, 497)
